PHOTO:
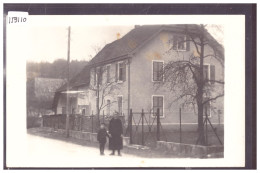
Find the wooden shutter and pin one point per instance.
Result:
(116, 72)
(124, 72)
(95, 71)
(212, 73)
(187, 43)
(175, 44)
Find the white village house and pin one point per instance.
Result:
(130, 68)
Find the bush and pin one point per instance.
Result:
(33, 122)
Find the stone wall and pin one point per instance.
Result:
(88, 136)
(189, 150)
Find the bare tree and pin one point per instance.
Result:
(186, 78)
(103, 88)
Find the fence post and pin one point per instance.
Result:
(103, 117)
(180, 128)
(158, 124)
(142, 126)
(130, 126)
(92, 123)
(206, 113)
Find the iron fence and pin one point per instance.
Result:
(78, 122)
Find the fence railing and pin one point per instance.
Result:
(77, 122)
(145, 128)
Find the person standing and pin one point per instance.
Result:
(116, 135)
(101, 137)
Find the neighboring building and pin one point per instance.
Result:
(131, 66)
(40, 95)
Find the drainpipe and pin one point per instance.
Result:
(128, 105)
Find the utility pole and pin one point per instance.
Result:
(68, 84)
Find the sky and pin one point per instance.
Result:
(47, 36)
(50, 43)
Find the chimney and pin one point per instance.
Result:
(118, 36)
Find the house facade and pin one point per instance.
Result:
(125, 75)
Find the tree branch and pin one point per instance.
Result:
(212, 99)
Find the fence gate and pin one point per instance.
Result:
(145, 128)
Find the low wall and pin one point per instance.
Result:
(189, 150)
(88, 136)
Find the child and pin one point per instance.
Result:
(101, 137)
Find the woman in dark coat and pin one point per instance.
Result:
(115, 131)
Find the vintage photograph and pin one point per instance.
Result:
(104, 94)
(154, 88)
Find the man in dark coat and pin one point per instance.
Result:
(115, 131)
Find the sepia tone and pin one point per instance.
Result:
(165, 82)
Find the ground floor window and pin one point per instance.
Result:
(63, 110)
(157, 102)
(83, 111)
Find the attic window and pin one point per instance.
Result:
(179, 42)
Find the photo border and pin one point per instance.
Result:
(249, 10)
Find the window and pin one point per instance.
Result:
(73, 111)
(108, 107)
(209, 73)
(95, 76)
(206, 72)
(83, 111)
(120, 104)
(99, 75)
(63, 110)
(179, 42)
(108, 73)
(157, 71)
(157, 103)
(120, 71)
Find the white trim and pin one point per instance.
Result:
(122, 103)
(163, 116)
(152, 70)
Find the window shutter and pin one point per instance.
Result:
(124, 72)
(187, 43)
(116, 72)
(212, 73)
(95, 71)
(175, 39)
(154, 70)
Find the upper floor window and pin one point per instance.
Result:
(209, 73)
(157, 71)
(179, 42)
(120, 72)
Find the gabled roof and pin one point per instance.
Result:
(82, 78)
(129, 44)
(125, 45)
